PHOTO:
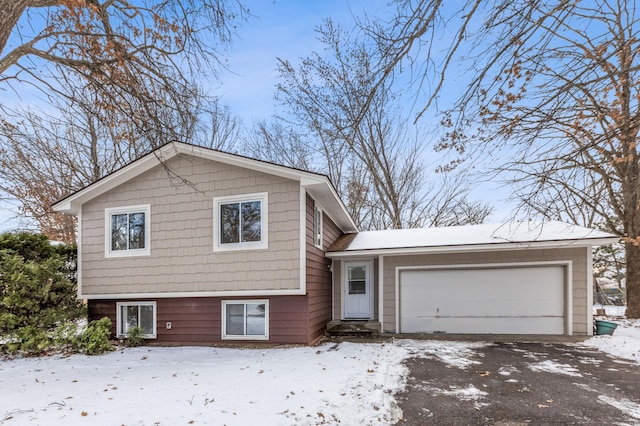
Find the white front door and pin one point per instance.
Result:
(358, 296)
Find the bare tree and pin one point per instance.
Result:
(369, 153)
(137, 59)
(276, 143)
(553, 91)
(120, 76)
(222, 130)
(49, 154)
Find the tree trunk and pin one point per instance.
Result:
(633, 280)
(11, 12)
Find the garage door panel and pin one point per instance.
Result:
(476, 300)
(484, 325)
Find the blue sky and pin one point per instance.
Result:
(277, 29)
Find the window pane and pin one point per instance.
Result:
(130, 318)
(256, 319)
(356, 272)
(119, 232)
(357, 287)
(146, 319)
(234, 319)
(251, 221)
(136, 231)
(229, 223)
(317, 226)
(123, 320)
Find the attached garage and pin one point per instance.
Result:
(525, 299)
(520, 278)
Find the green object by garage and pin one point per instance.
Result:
(605, 327)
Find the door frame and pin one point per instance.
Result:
(368, 282)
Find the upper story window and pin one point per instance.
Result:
(317, 226)
(127, 231)
(240, 222)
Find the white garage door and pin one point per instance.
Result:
(523, 300)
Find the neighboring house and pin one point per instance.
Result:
(197, 246)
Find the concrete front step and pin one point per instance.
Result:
(353, 328)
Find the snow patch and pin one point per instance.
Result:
(629, 408)
(453, 354)
(624, 343)
(554, 367)
(470, 393)
(611, 310)
(508, 370)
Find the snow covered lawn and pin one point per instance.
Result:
(346, 383)
(191, 385)
(625, 341)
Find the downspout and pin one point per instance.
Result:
(381, 292)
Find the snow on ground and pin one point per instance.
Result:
(630, 408)
(625, 341)
(346, 383)
(454, 354)
(553, 367)
(278, 386)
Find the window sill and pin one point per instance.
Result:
(240, 247)
(128, 253)
(245, 337)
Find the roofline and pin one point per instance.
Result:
(503, 246)
(72, 203)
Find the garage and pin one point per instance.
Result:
(524, 299)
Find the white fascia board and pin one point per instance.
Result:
(249, 163)
(72, 203)
(473, 248)
(248, 293)
(325, 194)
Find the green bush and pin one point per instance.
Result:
(29, 340)
(37, 291)
(95, 339)
(134, 337)
(67, 335)
(27, 245)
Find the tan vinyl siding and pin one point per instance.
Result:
(578, 257)
(318, 273)
(337, 289)
(182, 231)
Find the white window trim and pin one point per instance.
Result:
(119, 318)
(245, 337)
(317, 227)
(146, 251)
(263, 197)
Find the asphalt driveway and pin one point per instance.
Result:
(522, 384)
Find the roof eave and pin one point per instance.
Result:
(73, 202)
(313, 181)
(593, 242)
(324, 192)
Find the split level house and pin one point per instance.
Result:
(197, 246)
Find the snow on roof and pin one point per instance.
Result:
(521, 233)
